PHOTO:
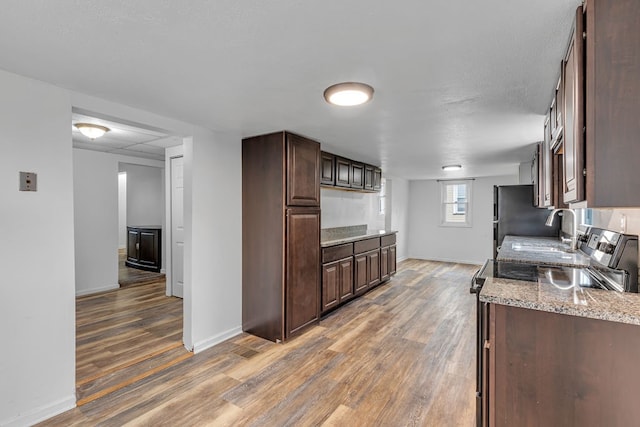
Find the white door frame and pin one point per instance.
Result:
(170, 153)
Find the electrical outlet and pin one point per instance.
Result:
(28, 181)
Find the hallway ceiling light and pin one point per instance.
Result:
(452, 168)
(348, 94)
(92, 131)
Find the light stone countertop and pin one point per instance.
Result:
(541, 251)
(591, 303)
(338, 240)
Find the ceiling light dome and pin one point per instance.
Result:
(348, 94)
(452, 167)
(91, 131)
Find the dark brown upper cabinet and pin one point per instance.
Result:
(377, 179)
(368, 177)
(573, 97)
(303, 174)
(612, 102)
(343, 172)
(357, 175)
(327, 169)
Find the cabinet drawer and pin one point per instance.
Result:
(388, 240)
(366, 245)
(335, 253)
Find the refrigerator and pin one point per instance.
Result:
(515, 215)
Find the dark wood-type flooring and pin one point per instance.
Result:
(125, 335)
(128, 276)
(403, 354)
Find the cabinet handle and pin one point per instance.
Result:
(487, 344)
(137, 246)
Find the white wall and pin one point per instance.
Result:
(341, 208)
(398, 217)
(428, 240)
(145, 194)
(213, 238)
(122, 210)
(37, 308)
(524, 173)
(95, 185)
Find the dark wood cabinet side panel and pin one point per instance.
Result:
(303, 171)
(553, 369)
(303, 269)
(263, 221)
(613, 106)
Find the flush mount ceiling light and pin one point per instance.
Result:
(452, 168)
(92, 131)
(348, 94)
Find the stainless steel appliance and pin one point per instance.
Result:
(613, 266)
(515, 215)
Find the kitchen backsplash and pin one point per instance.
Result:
(348, 208)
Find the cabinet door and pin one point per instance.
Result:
(303, 171)
(384, 263)
(574, 115)
(535, 175)
(132, 245)
(302, 287)
(327, 169)
(330, 282)
(345, 273)
(360, 273)
(357, 175)
(343, 172)
(392, 260)
(148, 252)
(373, 261)
(377, 179)
(368, 177)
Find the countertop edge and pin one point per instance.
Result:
(335, 242)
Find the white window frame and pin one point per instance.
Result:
(444, 204)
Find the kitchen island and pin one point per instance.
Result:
(553, 352)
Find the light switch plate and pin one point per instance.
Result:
(28, 181)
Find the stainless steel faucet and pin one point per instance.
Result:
(574, 226)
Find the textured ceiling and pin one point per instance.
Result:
(456, 81)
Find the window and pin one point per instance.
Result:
(456, 203)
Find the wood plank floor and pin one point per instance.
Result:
(124, 334)
(402, 355)
(128, 276)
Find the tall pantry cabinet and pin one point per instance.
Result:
(280, 234)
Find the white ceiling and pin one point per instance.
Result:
(457, 81)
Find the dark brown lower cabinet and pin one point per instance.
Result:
(549, 369)
(337, 282)
(351, 269)
(360, 273)
(143, 248)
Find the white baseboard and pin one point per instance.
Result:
(404, 258)
(42, 413)
(216, 339)
(84, 292)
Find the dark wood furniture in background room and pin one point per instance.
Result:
(280, 235)
(144, 248)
